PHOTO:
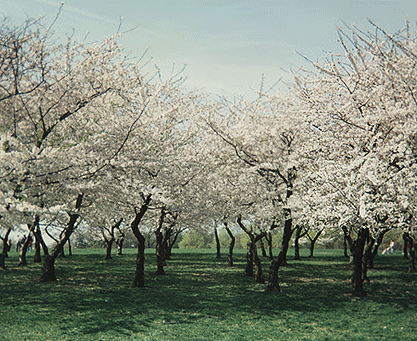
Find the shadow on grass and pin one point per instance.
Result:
(95, 296)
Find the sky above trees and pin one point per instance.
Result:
(226, 45)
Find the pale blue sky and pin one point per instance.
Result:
(226, 44)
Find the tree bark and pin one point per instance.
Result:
(216, 236)
(231, 246)
(160, 254)
(139, 280)
(367, 257)
(411, 253)
(37, 257)
(297, 242)
(357, 250)
(120, 246)
(249, 260)
(276, 263)
(313, 242)
(269, 240)
(378, 242)
(5, 248)
(263, 248)
(405, 247)
(48, 271)
(252, 260)
(109, 244)
(259, 278)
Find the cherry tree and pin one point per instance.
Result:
(265, 138)
(361, 107)
(55, 100)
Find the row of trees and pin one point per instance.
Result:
(89, 140)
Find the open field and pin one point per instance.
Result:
(201, 298)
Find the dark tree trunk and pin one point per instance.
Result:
(259, 278)
(261, 242)
(25, 246)
(273, 284)
(411, 254)
(357, 250)
(297, 242)
(412, 259)
(347, 239)
(38, 236)
(5, 248)
(216, 236)
(345, 246)
(139, 280)
(159, 253)
(69, 247)
(367, 258)
(48, 271)
(109, 244)
(120, 246)
(378, 242)
(249, 260)
(313, 242)
(252, 259)
(405, 247)
(231, 246)
(269, 240)
(111, 239)
(160, 259)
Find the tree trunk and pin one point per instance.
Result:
(269, 240)
(24, 249)
(120, 246)
(367, 257)
(259, 278)
(345, 246)
(231, 246)
(109, 244)
(276, 263)
(216, 235)
(160, 259)
(378, 243)
(48, 271)
(37, 257)
(411, 254)
(159, 253)
(5, 248)
(263, 248)
(297, 242)
(313, 242)
(139, 281)
(249, 260)
(357, 262)
(69, 247)
(405, 247)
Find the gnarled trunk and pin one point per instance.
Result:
(48, 271)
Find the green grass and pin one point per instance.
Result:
(201, 298)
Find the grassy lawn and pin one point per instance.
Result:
(201, 298)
